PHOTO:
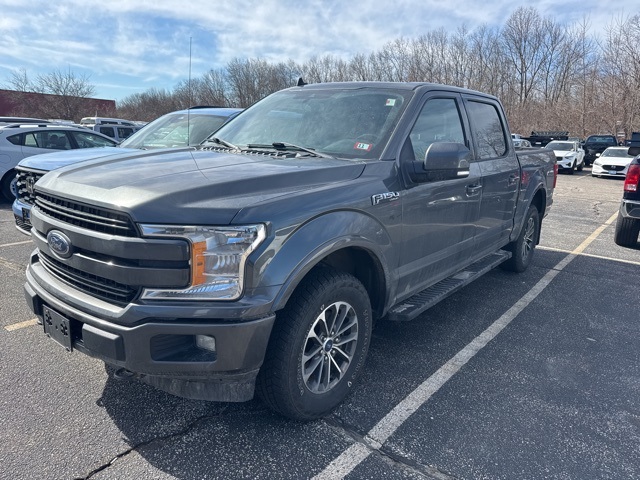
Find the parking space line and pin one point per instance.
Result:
(382, 431)
(15, 243)
(18, 326)
(600, 257)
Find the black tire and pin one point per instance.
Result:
(581, 166)
(571, 168)
(5, 185)
(523, 247)
(627, 230)
(299, 330)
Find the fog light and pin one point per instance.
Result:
(206, 342)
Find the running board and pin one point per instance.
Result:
(427, 298)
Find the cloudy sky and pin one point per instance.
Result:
(129, 46)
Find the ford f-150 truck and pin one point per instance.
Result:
(259, 260)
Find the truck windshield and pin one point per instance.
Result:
(347, 123)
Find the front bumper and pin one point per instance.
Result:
(565, 164)
(22, 216)
(603, 171)
(159, 347)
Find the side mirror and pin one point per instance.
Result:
(597, 155)
(634, 151)
(446, 161)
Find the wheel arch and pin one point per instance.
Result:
(350, 242)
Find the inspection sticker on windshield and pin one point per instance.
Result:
(390, 102)
(363, 146)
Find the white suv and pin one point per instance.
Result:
(18, 141)
(116, 128)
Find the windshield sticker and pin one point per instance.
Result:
(390, 102)
(363, 146)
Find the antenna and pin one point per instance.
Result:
(189, 99)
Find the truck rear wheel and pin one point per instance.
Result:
(317, 347)
(627, 230)
(523, 247)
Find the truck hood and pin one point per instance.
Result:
(192, 186)
(51, 161)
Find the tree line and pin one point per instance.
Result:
(549, 76)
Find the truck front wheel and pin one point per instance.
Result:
(317, 347)
(523, 247)
(627, 230)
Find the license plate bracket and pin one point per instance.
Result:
(57, 327)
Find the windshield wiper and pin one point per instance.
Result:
(290, 146)
(222, 142)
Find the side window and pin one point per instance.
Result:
(124, 132)
(488, 128)
(439, 121)
(15, 139)
(89, 140)
(30, 140)
(109, 131)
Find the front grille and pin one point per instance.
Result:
(99, 287)
(26, 179)
(85, 216)
(559, 159)
(617, 168)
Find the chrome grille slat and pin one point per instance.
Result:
(102, 288)
(85, 216)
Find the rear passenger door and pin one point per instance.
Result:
(500, 171)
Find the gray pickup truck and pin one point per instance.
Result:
(259, 261)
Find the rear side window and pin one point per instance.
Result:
(488, 129)
(124, 132)
(109, 131)
(15, 139)
(90, 140)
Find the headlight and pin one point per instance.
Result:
(218, 255)
(597, 162)
(569, 156)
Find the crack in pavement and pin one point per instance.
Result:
(186, 430)
(385, 454)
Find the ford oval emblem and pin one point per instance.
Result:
(59, 244)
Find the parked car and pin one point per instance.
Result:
(614, 162)
(569, 155)
(18, 141)
(596, 144)
(176, 129)
(540, 138)
(519, 141)
(259, 260)
(116, 128)
(628, 223)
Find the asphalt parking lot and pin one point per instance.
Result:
(529, 376)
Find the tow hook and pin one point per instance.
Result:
(123, 374)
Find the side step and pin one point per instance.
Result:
(427, 298)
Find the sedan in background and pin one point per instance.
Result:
(569, 155)
(18, 141)
(614, 162)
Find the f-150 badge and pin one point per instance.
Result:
(384, 197)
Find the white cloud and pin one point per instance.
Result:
(147, 41)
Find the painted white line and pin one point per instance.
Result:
(16, 243)
(380, 433)
(18, 326)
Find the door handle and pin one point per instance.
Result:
(513, 179)
(473, 189)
